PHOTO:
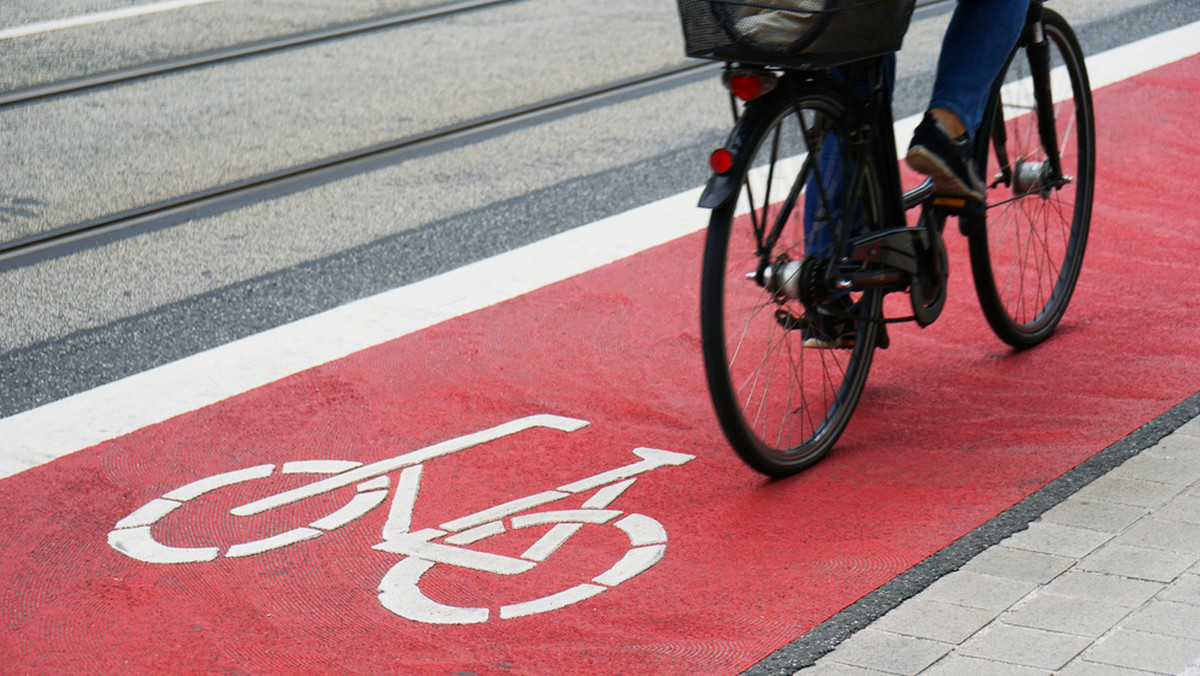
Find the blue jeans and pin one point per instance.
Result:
(974, 49)
(976, 45)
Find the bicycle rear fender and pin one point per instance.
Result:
(723, 186)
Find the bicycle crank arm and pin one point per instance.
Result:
(895, 249)
(888, 280)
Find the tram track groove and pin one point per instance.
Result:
(263, 187)
(241, 51)
(267, 186)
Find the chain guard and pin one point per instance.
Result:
(927, 290)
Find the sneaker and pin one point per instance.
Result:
(830, 327)
(947, 161)
(775, 28)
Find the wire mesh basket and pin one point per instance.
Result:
(793, 33)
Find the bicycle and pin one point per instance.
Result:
(447, 544)
(813, 140)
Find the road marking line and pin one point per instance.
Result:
(43, 434)
(97, 17)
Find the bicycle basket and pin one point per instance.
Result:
(793, 33)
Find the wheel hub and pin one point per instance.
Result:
(783, 279)
(1030, 177)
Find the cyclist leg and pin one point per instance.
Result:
(824, 198)
(823, 192)
(976, 45)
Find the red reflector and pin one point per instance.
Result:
(721, 160)
(746, 86)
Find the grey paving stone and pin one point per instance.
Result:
(945, 622)
(978, 590)
(1185, 508)
(1137, 562)
(888, 652)
(1113, 488)
(1189, 429)
(826, 667)
(1168, 618)
(1101, 515)
(1069, 615)
(1057, 539)
(1125, 591)
(1018, 564)
(958, 665)
(1164, 464)
(1081, 667)
(1177, 445)
(1024, 646)
(1184, 590)
(1158, 533)
(1140, 650)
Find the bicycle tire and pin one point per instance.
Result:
(781, 406)
(1027, 259)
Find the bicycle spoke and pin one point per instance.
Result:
(781, 405)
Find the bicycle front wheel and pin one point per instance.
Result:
(1026, 265)
(781, 401)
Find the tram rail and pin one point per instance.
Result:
(94, 232)
(91, 233)
(241, 51)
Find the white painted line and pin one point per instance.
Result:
(97, 17)
(470, 537)
(642, 530)
(43, 434)
(415, 545)
(550, 542)
(139, 544)
(149, 513)
(360, 504)
(605, 496)
(284, 539)
(319, 466)
(652, 459)
(635, 562)
(398, 592)
(552, 602)
(565, 516)
(502, 510)
(198, 488)
(414, 458)
(399, 520)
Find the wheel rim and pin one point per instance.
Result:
(791, 401)
(1036, 229)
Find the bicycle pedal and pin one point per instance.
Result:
(959, 205)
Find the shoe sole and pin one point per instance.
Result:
(843, 343)
(945, 181)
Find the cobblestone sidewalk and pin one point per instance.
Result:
(1106, 583)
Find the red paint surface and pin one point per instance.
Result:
(953, 429)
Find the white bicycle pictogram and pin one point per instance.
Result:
(400, 589)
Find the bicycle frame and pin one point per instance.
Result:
(810, 231)
(896, 255)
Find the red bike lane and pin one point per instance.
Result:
(115, 558)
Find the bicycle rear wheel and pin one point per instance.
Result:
(783, 405)
(1028, 258)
